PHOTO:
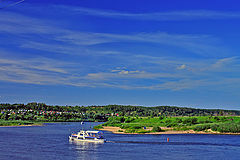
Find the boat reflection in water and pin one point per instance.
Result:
(86, 150)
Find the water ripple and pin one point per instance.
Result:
(176, 143)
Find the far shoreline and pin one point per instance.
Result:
(115, 130)
(30, 125)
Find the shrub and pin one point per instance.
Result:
(143, 131)
(178, 120)
(214, 127)
(156, 129)
(122, 119)
(129, 119)
(205, 121)
(190, 121)
(229, 127)
(181, 128)
(168, 121)
(98, 127)
(172, 124)
(217, 118)
(130, 130)
(136, 127)
(129, 126)
(161, 118)
(226, 127)
(202, 127)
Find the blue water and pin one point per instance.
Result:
(50, 142)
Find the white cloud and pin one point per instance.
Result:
(45, 71)
(127, 71)
(119, 75)
(154, 16)
(220, 63)
(197, 44)
(21, 25)
(183, 66)
(36, 70)
(156, 72)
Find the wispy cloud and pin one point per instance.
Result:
(140, 72)
(68, 41)
(124, 74)
(155, 16)
(20, 24)
(225, 63)
(46, 71)
(38, 70)
(197, 44)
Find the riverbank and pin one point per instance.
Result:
(23, 125)
(173, 125)
(18, 123)
(165, 130)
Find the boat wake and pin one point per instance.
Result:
(176, 143)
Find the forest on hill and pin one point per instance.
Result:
(42, 112)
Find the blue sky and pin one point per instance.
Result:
(92, 52)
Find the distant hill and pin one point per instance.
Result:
(118, 110)
(163, 111)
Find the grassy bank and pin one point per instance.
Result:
(18, 123)
(220, 124)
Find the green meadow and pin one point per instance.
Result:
(222, 124)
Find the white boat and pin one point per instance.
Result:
(88, 136)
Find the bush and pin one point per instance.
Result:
(143, 131)
(226, 127)
(172, 124)
(214, 127)
(156, 129)
(178, 120)
(129, 126)
(129, 119)
(130, 130)
(229, 127)
(217, 118)
(161, 118)
(98, 127)
(168, 121)
(190, 121)
(122, 119)
(202, 127)
(116, 119)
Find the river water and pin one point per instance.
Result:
(50, 142)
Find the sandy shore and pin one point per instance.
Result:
(166, 131)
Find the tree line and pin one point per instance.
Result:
(43, 112)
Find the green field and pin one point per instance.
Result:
(222, 124)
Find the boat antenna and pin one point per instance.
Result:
(12, 4)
